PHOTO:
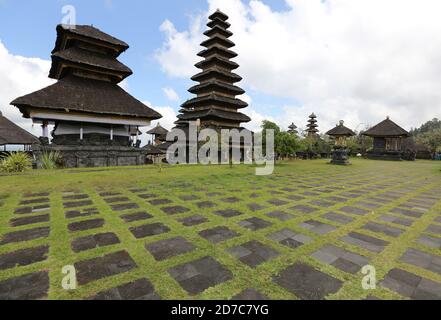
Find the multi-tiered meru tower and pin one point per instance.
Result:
(216, 105)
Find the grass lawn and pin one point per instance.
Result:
(302, 233)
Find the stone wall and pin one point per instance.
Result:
(93, 156)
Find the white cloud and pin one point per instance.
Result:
(19, 76)
(357, 60)
(171, 94)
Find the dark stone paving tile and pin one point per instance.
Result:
(368, 205)
(434, 229)
(378, 200)
(294, 197)
(338, 218)
(94, 241)
(77, 204)
(336, 199)
(197, 276)
(218, 234)
(159, 202)
(147, 196)
(396, 220)
(354, 210)
(406, 212)
(304, 209)
(384, 229)
(250, 295)
(138, 216)
(175, 210)
(340, 258)
(29, 220)
(149, 230)
(253, 253)
(438, 220)
(350, 195)
(429, 241)
(321, 203)
(124, 206)
(193, 220)
(76, 197)
(117, 199)
(366, 242)
(228, 213)
(189, 198)
(102, 267)
(412, 286)
(29, 210)
(280, 215)
(81, 213)
(230, 200)
(423, 260)
(290, 238)
(206, 204)
(141, 289)
(34, 201)
(23, 257)
(255, 207)
(277, 202)
(169, 248)
(33, 286)
(25, 235)
(109, 194)
(317, 227)
(254, 195)
(86, 225)
(310, 194)
(255, 224)
(36, 195)
(307, 283)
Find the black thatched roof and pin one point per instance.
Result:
(218, 14)
(89, 32)
(78, 57)
(214, 113)
(215, 99)
(341, 130)
(154, 150)
(218, 50)
(158, 130)
(85, 95)
(216, 86)
(387, 128)
(213, 74)
(10, 133)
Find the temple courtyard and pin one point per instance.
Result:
(215, 232)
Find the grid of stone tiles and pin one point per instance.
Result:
(268, 224)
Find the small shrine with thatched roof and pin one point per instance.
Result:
(388, 141)
(340, 134)
(13, 135)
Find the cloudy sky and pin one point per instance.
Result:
(357, 60)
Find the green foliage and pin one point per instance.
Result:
(16, 163)
(429, 126)
(51, 160)
(286, 144)
(431, 139)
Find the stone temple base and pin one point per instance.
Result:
(93, 156)
(340, 157)
(385, 155)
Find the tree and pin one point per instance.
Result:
(429, 135)
(285, 144)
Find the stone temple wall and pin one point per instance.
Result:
(93, 156)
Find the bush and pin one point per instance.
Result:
(16, 162)
(51, 160)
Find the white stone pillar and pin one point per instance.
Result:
(81, 132)
(45, 130)
(111, 133)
